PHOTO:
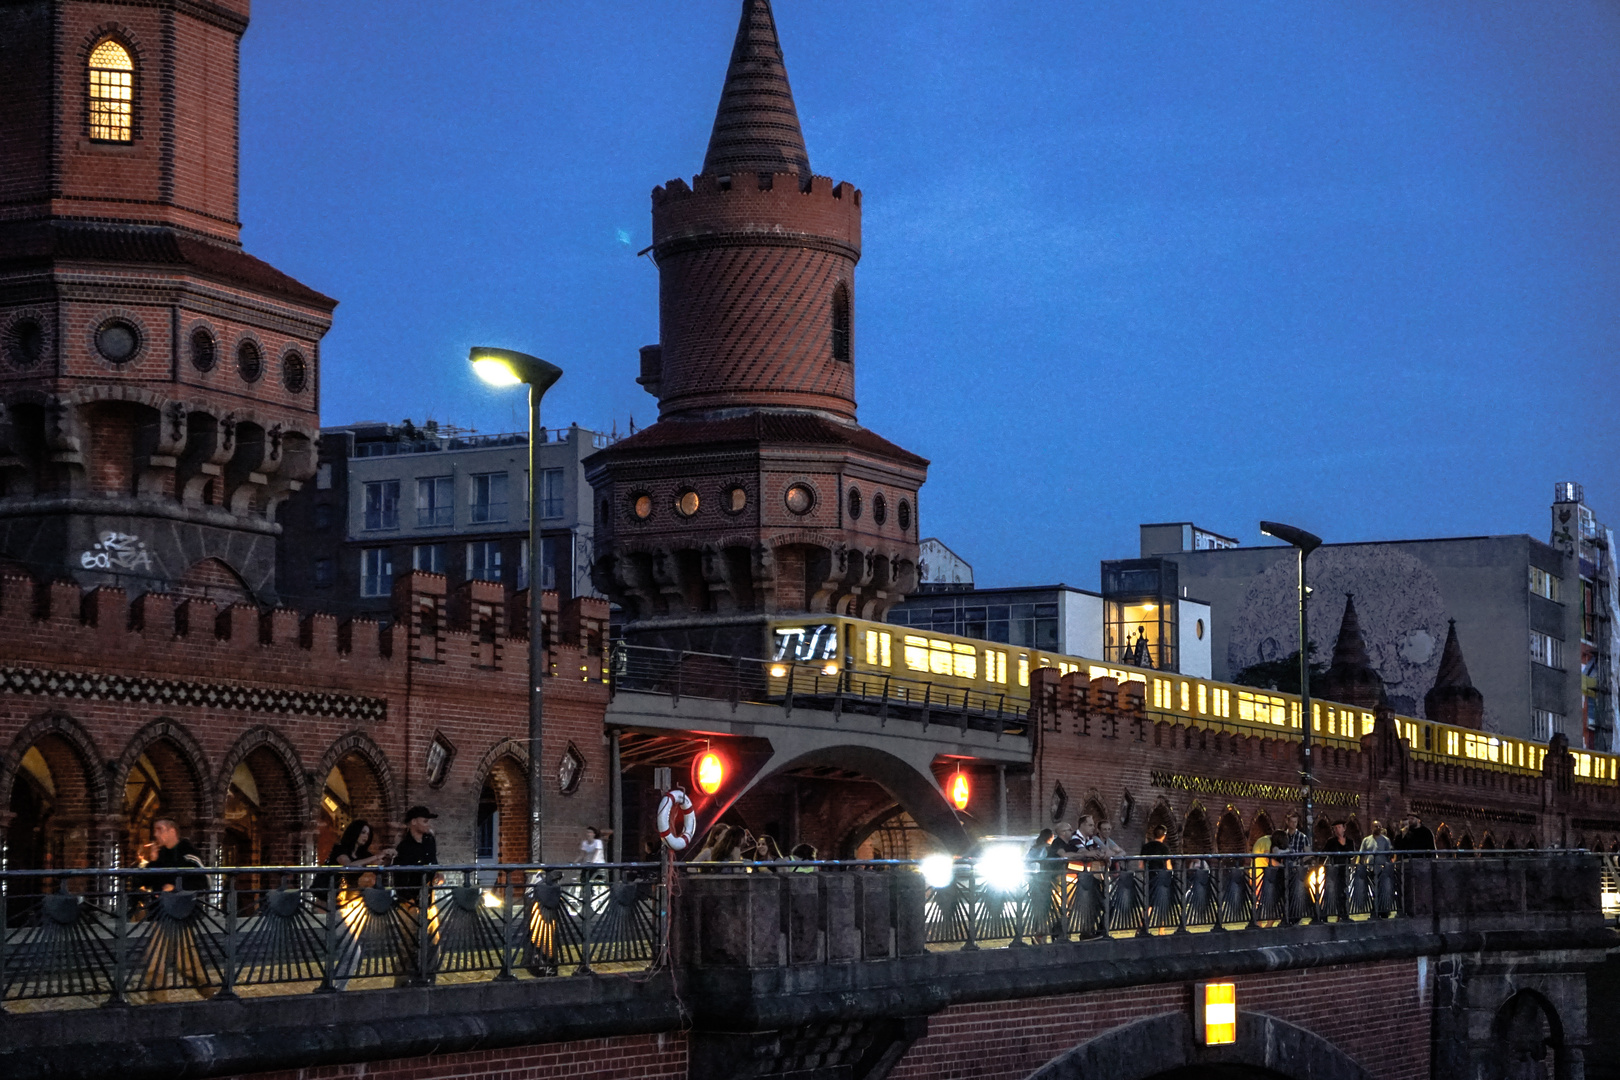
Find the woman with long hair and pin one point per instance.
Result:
(352, 850)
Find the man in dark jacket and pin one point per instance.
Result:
(174, 852)
(419, 848)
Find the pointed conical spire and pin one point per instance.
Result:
(1453, 699)
(1351, 679)
(756, 128)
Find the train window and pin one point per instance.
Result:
(1203, 695)
(995, 666)
(877, 648)
(1161, 694)
(1186, 697)
(1023, 669)
(1223, 701)
(1262, 708)
(916, 653)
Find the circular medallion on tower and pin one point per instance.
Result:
(686, 503)
(249, 360)
(204, 349)
(294, 372)
(736, 499)
(118, 340)
(800, 498)
(903, 517)
(25, 342)
(880, 509)
(854, 501)
(641, 506)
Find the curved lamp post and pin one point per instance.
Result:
(503, 367)
(1304, 543)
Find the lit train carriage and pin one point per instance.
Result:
(833, 654)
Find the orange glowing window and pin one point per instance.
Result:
(1215, 1013)
(112, 93)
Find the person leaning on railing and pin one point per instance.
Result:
(419, 848)
(175, 852)
(353, 850)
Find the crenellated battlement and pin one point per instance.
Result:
(764, 208)
(59, 624)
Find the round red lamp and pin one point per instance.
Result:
(709, 772)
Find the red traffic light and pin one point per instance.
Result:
(709, 772)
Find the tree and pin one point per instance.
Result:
(1280, 674)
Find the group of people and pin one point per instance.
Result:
(1089, 841)
(727, 843)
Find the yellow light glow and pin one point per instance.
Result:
(778, 671)
(829, 668)
(960, 792)
(495, 372)
(710, 772)
(1215, 1013)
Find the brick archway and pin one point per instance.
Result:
(504, 771)
(1162, 1048)
(57, 826)
(164, 757)
(364, 768)
(268, 825)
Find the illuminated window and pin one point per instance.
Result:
(995, 666)
(1023, 669)
(940, 657)
(1262, 708)
(1186, 697)
(1161, 694)
(877, 648)
(1223, 701)
(112, 93)
(840, 322)
(1203, 694)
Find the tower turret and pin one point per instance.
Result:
(159, 387)
(1453, 698)
(756, 492)
(1351, 678)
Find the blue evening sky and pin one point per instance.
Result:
(1349, 265)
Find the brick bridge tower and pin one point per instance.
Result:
(756, 492)
(158, 385)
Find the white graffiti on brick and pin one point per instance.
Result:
(116, 551)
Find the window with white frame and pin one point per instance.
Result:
(435, 501)
(382, 504)
(376, 572)
(1544, 584)
(488, 497)
(548, 563)
(428, 557)
(1546, 649)
(551, 493)
(1544, 724)
(484, 560)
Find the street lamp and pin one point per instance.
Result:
(1304, 543)
(503, 367)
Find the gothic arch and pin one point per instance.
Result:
(274, 741)
(71, 732)
(1163, 1044)
(513, 748)
(504, 772)
(1094, 806)
(190, 755)
(361, 745)
(1229, 834)
(1195, 832)
(1162, 814)
(1526, 1029)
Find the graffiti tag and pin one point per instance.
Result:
(116, 551)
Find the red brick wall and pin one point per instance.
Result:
(1371, 1012)
(638, 1056)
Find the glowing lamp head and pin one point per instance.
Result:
(506, 367)
(778, 671)
(709, 772)
(938, 871)
(1215, 1013)
(959, 790)
(829, 668)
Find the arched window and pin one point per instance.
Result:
(112, 93)
(840, 322)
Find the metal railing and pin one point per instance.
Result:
(810, 686)
(117, 936)
(1025, 901)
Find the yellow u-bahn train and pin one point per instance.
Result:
(907, 665)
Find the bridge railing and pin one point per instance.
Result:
(82, 937)
(826, 688)
(141, 935)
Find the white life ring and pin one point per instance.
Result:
(677, 823)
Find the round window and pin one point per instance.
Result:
(854, 501)
(25, 345)
(880, 509)
(249, 361)
(641, 506)
(294, 373)
(903, 517)
(736, 499)
(800, 498)
(1198, 628)
(687, 503)
(117, 340)
(203, 355)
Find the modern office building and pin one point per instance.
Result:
(387, 499)
(1536, 620)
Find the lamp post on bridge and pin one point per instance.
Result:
(504, 367)
(1304, 543)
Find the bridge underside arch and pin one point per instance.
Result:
(1162, 1048)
